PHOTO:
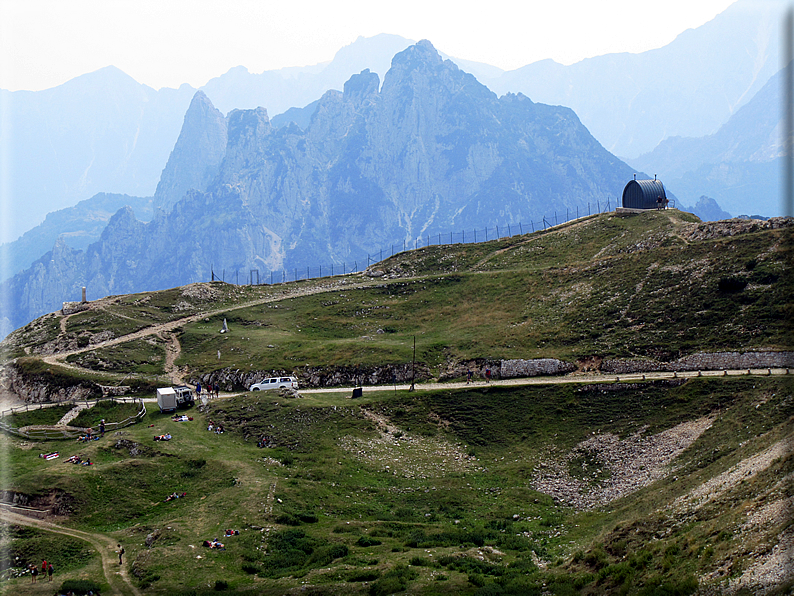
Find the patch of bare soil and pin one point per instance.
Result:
(410, 456)
(604, 467)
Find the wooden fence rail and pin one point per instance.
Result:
(56, 432)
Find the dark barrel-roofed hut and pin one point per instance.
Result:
(644, 194)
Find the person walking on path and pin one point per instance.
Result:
(488, 374)
(34, 573)
(468, 376)
(43, 567)
(102, 427)
(50, 571)
(121, 552)
(198, 389)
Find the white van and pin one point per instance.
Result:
(274, 383)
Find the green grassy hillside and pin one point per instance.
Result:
(438, 491)
(656, 285)
(676, 486)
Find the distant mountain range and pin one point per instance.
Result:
(431, 150)
(690, 87)
(104, 132)
(743, 159)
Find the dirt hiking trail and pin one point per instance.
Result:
(116, 575)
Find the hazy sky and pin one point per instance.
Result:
(164, 43)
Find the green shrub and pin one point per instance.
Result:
(386, 585)
(731, 284)
(251, 568)
(324, 555)
(394, 580)
(490, 589)
(366, 575)
(287, 519)
(221, 585)
(368, 541)
(79, 586)
(477, 579)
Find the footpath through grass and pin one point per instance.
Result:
(430, 492)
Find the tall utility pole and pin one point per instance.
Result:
(413, 366)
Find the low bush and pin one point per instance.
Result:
(367, 575)
(79, 586)
(368, 541)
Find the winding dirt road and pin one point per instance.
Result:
(115, 574)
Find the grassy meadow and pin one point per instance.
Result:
(653, 488)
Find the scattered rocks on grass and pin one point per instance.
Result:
(623, 466)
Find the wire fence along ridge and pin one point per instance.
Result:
(257, 277)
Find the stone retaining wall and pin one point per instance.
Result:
(703, 361)
(535, 367)
(326, 376)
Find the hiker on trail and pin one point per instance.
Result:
(50, 571)
(488, 374)
(198, 389)
(102, 427)
(34, 572)
(43, 566)
(121, 552)
(468, 376)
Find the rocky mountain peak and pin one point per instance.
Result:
(419, 54)
(247, 126)
(197, 154)
(362, 85)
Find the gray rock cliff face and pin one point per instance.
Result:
(197, 154)
(430, 151)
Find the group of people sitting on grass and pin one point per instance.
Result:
(89, 436)
(266, 441)
(75, 459)
(214, 544)
(173, 496)
(165, 437)
(217, 428)
(182, 418)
